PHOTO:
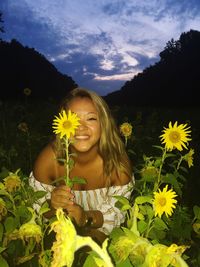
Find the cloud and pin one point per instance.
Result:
(99, 43)
(116, 77)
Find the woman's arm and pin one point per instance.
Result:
(45, 166)
(45, 171)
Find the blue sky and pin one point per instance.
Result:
(101, 44)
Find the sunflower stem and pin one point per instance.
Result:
(67, 182)
(157, 184)
(102, 252)
(179, 163)
(135, 216)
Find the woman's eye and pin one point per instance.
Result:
(92, 119)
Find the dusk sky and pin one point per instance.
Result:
(101, 44)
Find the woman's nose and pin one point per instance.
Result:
(82, 125)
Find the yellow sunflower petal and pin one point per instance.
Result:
(176, 136)
(164, 201)
(65, 124)
(65, 245)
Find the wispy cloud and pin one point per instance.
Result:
(102, 41)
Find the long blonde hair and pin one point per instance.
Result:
(111, 147)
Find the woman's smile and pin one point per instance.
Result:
(82, 137)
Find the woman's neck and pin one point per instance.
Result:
(86, 157)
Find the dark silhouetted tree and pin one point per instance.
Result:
(172, 81)
(1, 22)
(23, 67)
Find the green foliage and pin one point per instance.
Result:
(142, 231)
(22, 229)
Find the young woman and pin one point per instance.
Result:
(100, 158)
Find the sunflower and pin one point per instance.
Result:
(22, 126)
(189, 158)
(176, 136)
(12, 182)
(27, 91)
(65, 245)
(164, 201)
(123, 247)
(126, 129)
(65, 124)
(30, 230)
(68, 242)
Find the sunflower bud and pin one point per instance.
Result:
(189, 158)
(27, 91)
(123, 247)
(12, 182)
(29, 230)
(23, 127)
(149, 173)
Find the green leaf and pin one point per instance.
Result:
(125, 263)
(158, 162)
(93, 260)
(99, 262)
(2, 249)
(10, 225)
(171, 179)
(143, 199)
(125, 207)
(89, 262)
(157, 234)
(4, 193)
(39, 194)
(131, 151)
(142, 226)
(78, 180)
(61, 160)
(150, 211)
(130, 233)
(122, 200)
(169, 155)
(116, 233)
(58, 180)
(159, 224)
(1, 231)
(159, 147)
(196, 210)
(3, 262)
(44, 208)
(140, 216)
(184, 169)
(23, 211)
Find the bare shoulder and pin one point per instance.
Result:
(122, 179)
(44, 168)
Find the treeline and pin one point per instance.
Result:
(23, 67)
(173, 81)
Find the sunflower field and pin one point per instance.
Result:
(162, 226)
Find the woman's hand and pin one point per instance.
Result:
(62, 197)
(77, 213)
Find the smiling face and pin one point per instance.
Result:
(88, 133)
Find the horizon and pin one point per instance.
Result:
(100, 46)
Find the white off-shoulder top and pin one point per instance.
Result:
(98, 199)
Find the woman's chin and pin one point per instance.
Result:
(82, 148)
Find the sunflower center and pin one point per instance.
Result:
(162, 201)
(127, 130)
(174, 137)
(67, 125)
